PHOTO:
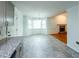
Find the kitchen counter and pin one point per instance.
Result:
(7, 48)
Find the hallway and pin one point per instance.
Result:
(46, 46)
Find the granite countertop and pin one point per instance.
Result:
(7, 48)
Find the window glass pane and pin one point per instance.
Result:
(44, 24)
(36, 24)
(43, 21)
(30, 24)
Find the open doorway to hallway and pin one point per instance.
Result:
(60, 20)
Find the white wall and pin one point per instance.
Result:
(61, 19)
(17, 28)
(73, 28)
(18, 22)
(25, 25)
(51, 26)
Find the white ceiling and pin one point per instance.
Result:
(43, 8)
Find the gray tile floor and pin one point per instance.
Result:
(46, 46)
